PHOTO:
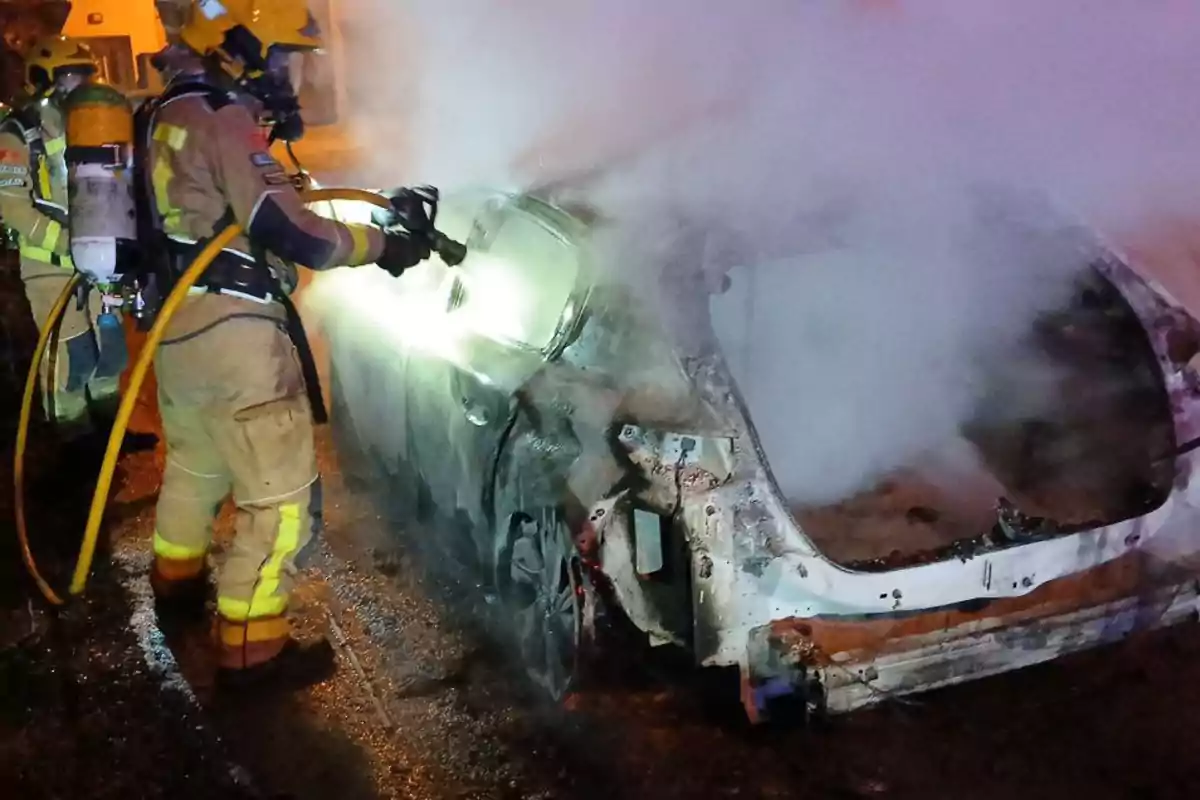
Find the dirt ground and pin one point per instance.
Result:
(97, 702)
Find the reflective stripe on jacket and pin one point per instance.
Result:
(33, 187)
(208, 162)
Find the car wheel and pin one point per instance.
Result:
(542, 589)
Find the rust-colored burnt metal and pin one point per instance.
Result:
(864, 639)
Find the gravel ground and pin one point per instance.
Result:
(97, 705)
(95, 702)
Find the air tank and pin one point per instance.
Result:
(99, 156)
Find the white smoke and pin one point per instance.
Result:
(858, 133)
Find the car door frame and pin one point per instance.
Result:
(530, 360)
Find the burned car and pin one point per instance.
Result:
(584, 451)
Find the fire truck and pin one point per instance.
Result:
(125, 34)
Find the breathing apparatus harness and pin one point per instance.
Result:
(249, 276)
(166, 257)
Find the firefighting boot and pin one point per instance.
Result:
(261, 653)
(180, 590)
(298, 666)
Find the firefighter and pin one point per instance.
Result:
(33, 204)
(232, 388)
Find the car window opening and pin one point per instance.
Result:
(1093, 457)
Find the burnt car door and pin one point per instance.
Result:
(509, 306)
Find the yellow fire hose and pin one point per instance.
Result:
(87, 550)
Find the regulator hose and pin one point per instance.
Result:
(87, 550)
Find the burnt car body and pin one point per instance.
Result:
(582, 452)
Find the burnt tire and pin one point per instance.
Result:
(540, 583)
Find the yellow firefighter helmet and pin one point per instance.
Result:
(47, 61)
(253, 41)
(244, 34)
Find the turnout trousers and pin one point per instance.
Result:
(88, 362)
(236, 419)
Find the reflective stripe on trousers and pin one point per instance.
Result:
(177, 552)
(235, 419)
(267, 600)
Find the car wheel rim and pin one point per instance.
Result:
(545, 602)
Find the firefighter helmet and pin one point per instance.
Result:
(245, 34)
(48, 61)
(253, 41)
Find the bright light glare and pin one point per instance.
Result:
(411, 311)
(493, 301)
(504, 287)
(408, 312)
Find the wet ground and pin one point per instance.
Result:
(426, 706)
(95, 702)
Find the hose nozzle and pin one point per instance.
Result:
(451, 252)
(416, 209)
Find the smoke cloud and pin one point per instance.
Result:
(848, 150)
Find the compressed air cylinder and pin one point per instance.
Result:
(99, 156)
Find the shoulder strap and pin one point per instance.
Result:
(215, 97)
(144, 123)
(143, 130)
(26, 124)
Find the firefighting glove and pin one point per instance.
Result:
(402, 250)
(415, 209)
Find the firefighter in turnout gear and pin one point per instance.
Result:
(234, 395)
(33, 205)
